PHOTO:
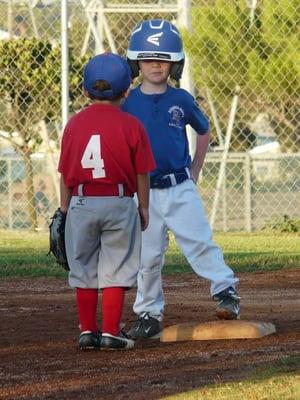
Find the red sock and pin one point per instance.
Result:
(87, 300)
(112, 307)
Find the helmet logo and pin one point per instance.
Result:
(154, 38)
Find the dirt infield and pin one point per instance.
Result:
(39, 358)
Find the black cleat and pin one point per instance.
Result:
(228, 304)
(145, 327)
(89, 341)
(120, 342)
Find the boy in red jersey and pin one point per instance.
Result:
(105, 159)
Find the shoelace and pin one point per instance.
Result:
(141, 320)
(229, 294)
(233, 295)
(145, 315)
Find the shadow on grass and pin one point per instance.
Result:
(277, 381)
(239, 262)
(37, 264)
(34, 265)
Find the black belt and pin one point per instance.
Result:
(168, 180)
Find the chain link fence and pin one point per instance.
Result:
(242, 66)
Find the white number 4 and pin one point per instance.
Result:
(92, 157)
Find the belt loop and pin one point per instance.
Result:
(187, 170)
(173, 179)
(121, 190)
(80, 190)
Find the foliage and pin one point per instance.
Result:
(283, 224)
(261, 57)
(30, 83)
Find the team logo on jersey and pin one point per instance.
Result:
(154, 39)
(176, 116)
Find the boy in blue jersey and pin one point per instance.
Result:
(155, 51)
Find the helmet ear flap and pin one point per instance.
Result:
(134, 66)
(176, 70)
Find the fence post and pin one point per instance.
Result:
(224, 203)
(64, 63)
(184, 21)
(247, 167)
(10, 199)
(224, 156)
(52, 165)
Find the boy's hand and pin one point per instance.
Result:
(144, 216)
(194, 171)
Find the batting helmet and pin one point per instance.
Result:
(156, 39)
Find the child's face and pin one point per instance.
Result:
(155, 71)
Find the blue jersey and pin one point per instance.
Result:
(165, 117)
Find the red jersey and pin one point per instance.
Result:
(103, 144)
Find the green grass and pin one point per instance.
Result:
(23, 253)
(279, 382)
(261, 251)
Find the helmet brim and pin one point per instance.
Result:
(150, 55)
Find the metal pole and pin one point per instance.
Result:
(252, 5)
(90, 14)
(248, 192)
(109, 35)
(35, 29)
(215, 118)
(184, 21)
(224, 157)
(224, 204)
(64, 63)
(99, 48)
(50, 157)
(10, 195)
(86, 41)
(9, 19)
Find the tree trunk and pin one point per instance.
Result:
(30, 190)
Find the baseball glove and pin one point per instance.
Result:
(57, 238)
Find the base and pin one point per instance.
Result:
(217, 330)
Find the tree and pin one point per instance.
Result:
(261, 56)
(30, 88)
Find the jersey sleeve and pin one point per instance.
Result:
(196, 117)
(66, 160)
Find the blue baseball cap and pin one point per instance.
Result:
(108, 67)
